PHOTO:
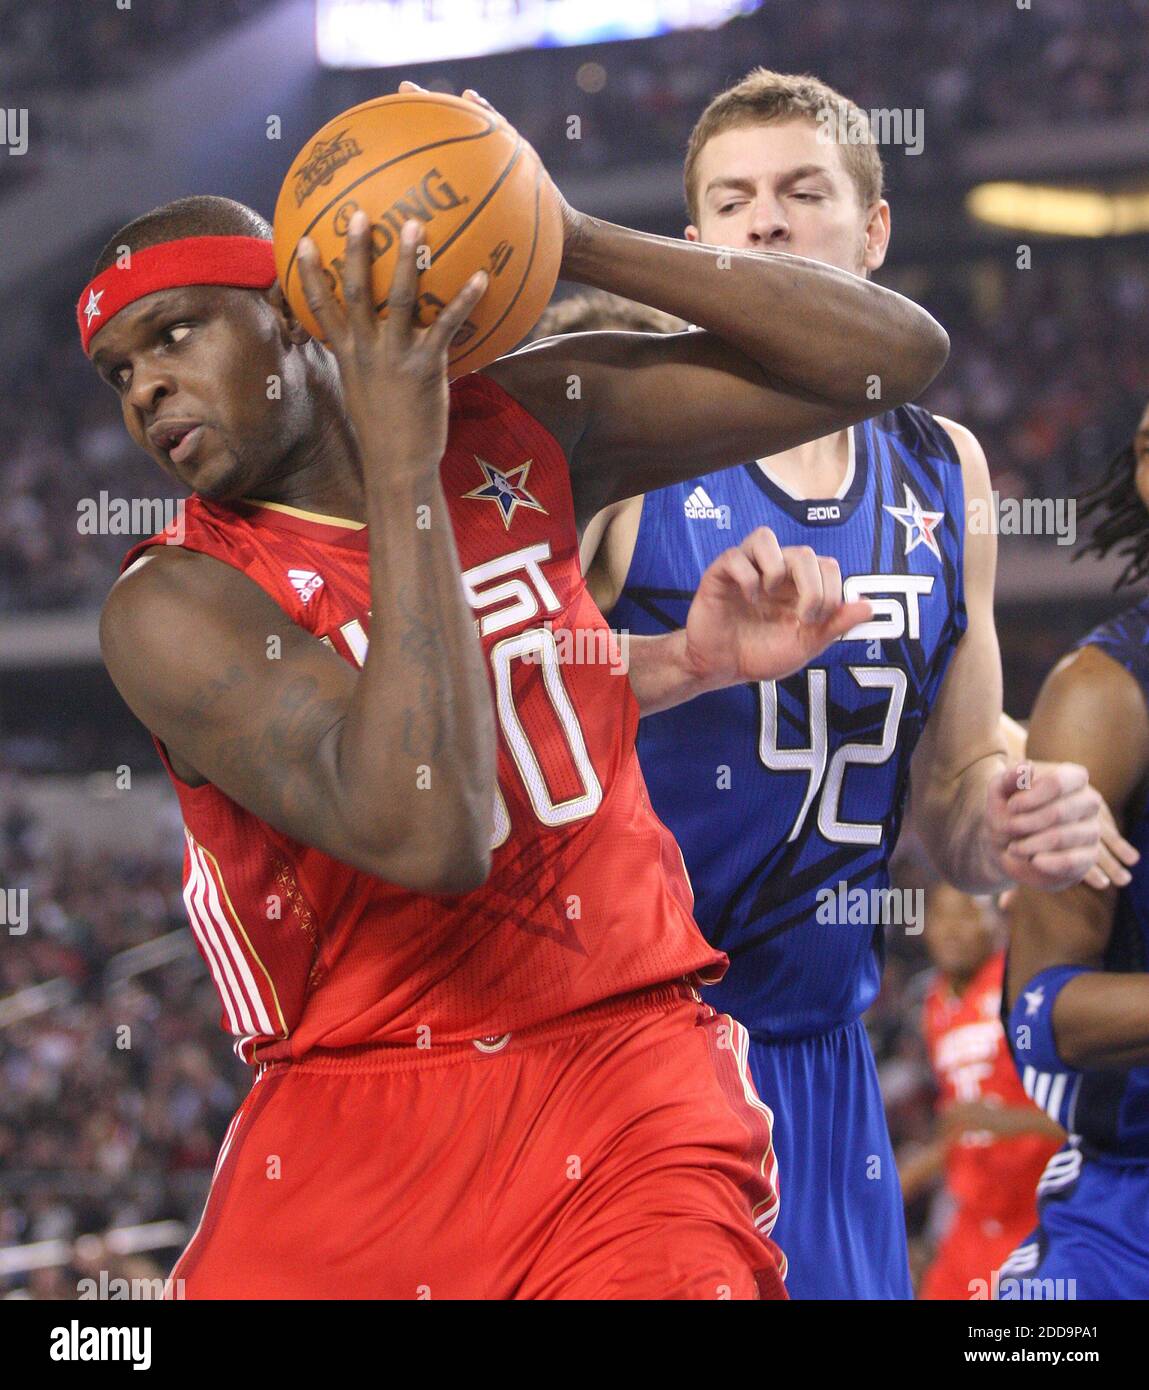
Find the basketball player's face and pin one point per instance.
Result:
(960, 932)
(778, 187)
(193, 369)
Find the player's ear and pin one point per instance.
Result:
(692, 233)
(877, 236)
(293, 330)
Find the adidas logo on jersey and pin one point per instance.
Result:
(305, 583)
(699, 507)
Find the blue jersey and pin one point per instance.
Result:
(787, 796)
(1110, 1110)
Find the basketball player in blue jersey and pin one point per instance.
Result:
(1077, 991)
(787, 797)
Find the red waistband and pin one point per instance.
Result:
(407, 1056)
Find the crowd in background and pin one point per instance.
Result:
(976, 64)
(972, 67)
(1048, 367)
(114, 1101)
(83, 44)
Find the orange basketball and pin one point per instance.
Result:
(478, 189)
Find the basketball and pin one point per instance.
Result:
(474, 183)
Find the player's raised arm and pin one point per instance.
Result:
(290, 731)
(983, 828)
(1096, 1019)
(786, 350)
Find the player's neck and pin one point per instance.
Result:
(321, 474)
(959, 983)
(814, 470)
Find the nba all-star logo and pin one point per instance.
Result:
(919, 524)
(92, 309)
(325, 158)
(507, 490)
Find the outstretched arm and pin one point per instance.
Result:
(786, 350)
(984, 821)
(1100, 1019)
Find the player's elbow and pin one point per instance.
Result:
(426, 872)
(445, 859)
(927, 346)
(461, 874)
(461, 846)
(446, 871)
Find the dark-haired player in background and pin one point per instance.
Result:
(993, 1142)
(1078, 991)
(463, 963)
(782, 792)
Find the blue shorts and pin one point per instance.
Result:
(840, 1224)
(1092, 1236)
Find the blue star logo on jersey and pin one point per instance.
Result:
(1034, 1000)
(919, 524)
(507, 490)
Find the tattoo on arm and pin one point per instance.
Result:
(280, 756)
(209, 693)
(423, 730)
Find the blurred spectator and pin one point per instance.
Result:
(73, 44)
(113, 1104)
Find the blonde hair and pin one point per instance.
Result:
(763, 97)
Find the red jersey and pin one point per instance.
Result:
(588, 896)
(971, 1061)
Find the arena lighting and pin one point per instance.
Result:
(1052, 211)
(393, 33)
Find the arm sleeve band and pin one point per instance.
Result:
(1048, 1081)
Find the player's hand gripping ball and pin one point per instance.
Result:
(478, 188)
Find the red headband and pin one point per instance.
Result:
(247, 262)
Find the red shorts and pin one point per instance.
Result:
(970, 1251)
(619, 1153)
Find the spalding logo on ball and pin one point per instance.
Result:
(472, 181)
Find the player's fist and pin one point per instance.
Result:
(1044, 822)
(393, 372)
(762, 611)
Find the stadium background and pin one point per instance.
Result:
(128, 108)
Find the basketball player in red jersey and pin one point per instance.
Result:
(463, 964)
(994, 1142)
